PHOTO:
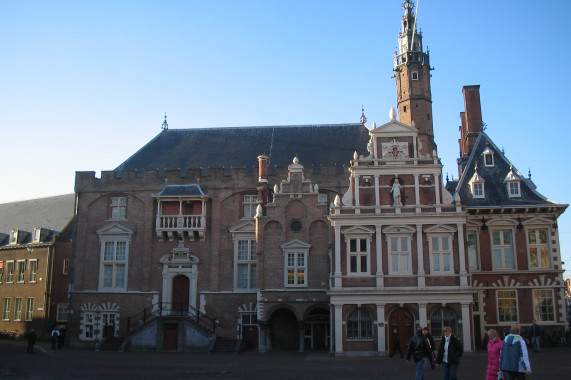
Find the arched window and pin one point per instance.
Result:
(360, 324)
(442, 317)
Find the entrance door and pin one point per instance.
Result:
(320, 336)
(170, 337)
(180, 293)
(403, 322)
(250, 336)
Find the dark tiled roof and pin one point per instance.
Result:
(495, 191)
(317, 145)
(181, 190)
(53, 213)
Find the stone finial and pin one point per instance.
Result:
(393, 114)
(276, 189)
(259, 211)
(355, 156)
(316, 188)
(337, 201)
(296, 160)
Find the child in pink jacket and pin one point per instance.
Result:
(494, 348)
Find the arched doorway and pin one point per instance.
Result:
(402, 321)
(284, 330)
(180, 293)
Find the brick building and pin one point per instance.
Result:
(35, 254)
(312, 237)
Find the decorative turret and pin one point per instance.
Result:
(412, 73)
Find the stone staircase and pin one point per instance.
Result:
(112, 344)
(225, 345)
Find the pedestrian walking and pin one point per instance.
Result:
(396, 344)
(494, 348)
(32, 337)
(535, 336)
(449, 353)
(419, 349)
(432, 357)
(514, 360)
(55, 338)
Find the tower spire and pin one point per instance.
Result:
(412, 73)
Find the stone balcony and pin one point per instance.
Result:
(180, 226)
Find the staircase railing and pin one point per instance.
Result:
(170, 309)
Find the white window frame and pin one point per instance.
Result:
(118, 208)
(488, 153)
(249, 206)
(439, 255)
(548, 310)
(6, 308)
(403, 256)
(296, 257)
(88, 324)
(514, 189)
(503, 247)
(478, 189)
(504, 293)
(246, 260)
(14, 237)
(37, 234)
(112, 236)
(2, 263)
(21, 271)
(29, 308)
(18, 308)
(532, 232)
(473, 251)
(32, 270)
(359, 255)
(10, 265)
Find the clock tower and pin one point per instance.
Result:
(412, 73)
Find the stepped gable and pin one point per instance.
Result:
(53, 213)
(323, 145)
(494, 176)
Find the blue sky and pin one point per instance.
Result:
(85, 84)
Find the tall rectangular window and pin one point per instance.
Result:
(473, 261)
(65, 266)
(6, 309)
(21, 271)
(88, 326)
(9, 271)
(503, 250)
(441, 254)
(296, 267)
(507, 306)
(358, 256)
(1, 272)
(399, 255)
(543, 305)
(62, 312)
(29, 309)
(513, 189)
(114, 264)
(33, 271)
(246, 261)
(18, 309)
(250, 203)
(118, 208)
(538, 246)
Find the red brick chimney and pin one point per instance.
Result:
(471, 119)
(262, 168)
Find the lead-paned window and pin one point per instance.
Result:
(538, 246)
(119, 208)
(249, 204)
(246, 264)
(114, 264)
(507, 306)
(543, 305)
(296, 268)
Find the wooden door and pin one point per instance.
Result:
(250, 335)
(180, 293)
(402, 321)
(170, 337)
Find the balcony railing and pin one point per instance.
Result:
(180, 225)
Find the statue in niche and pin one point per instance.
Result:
(396, 191)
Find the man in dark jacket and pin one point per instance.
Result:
(396, 344)
(449, 354)
(419, 349)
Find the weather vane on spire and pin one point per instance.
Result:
(165, 125)
(363, 117)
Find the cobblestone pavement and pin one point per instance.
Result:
(67, 363)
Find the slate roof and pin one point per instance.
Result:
(495, 191)
(317, 145)
(53, 213)
(181, 190)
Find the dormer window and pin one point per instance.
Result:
(13, 236)
(488, 157)
(477, 184)
(513, 181)
(37, 234)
